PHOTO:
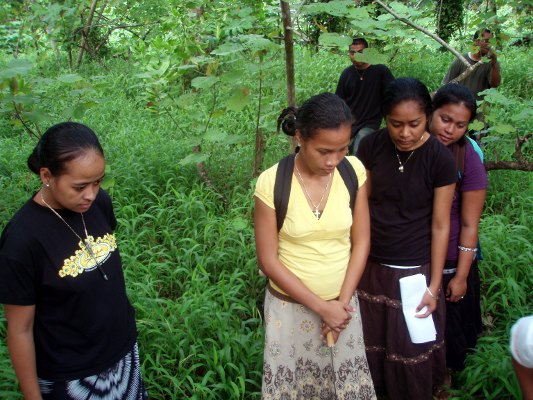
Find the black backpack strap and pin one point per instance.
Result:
(282, 188)
(350, 179)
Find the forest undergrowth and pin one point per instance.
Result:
(188, 247)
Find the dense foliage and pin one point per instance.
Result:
(207, 79)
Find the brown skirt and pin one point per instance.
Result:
(400, 369)
(298, 366)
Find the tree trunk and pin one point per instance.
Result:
(259, 137)
(85, 33)
(289, 56)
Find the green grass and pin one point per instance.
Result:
(189, 255)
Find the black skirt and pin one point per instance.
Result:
(463, 319)
(400, 369)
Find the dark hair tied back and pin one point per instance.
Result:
(60, 144)
(323, 111)
(287, 121)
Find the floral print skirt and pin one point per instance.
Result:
(298, 365)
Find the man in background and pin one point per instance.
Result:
(485, 76)
(362, 86)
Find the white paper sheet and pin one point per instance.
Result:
(412, 289)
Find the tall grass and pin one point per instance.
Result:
(507, 279)
(189, 257)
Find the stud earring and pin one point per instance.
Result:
(47, 185)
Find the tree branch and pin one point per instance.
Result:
(19, 117)
(521, 164)
(85, 33)
(512, 165)
(425, 31)
(469, 67)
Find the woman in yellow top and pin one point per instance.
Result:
(314, 262)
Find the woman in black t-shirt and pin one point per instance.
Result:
(70, 327)
(411, 179)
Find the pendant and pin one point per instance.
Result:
(361, 78)
(317, 213)
(400, 168)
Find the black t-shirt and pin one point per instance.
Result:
(364, 96)
(83, 324)
(401, 204)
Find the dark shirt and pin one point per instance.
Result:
(83, 324)
(477, 81)
(401, 203)
(364, 96)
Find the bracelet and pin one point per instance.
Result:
(467, 249)
(431, 294)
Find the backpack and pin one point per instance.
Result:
(282, 185)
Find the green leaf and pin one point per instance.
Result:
(334, 40)
(227, 48)
(371, 56)
(494, 97)
(147, 74)
(338, 8)
(193, 159)
(525, 114)
(401, 8)
(186, 67)
(232, 139)
(164, 67)
(82, 108)
(36, 116)
(69, 78)
(24, 99)
(16, 67)
(108, 183)
(476, 125)
(186, 100)
(214, 135)
(257, 43)
(204, 82)
(504, 129)
(231, 76)
(79, 92)
(358, 13)
(363, 25)
(239, 99)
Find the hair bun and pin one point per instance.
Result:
(287, 121)
(34, 160)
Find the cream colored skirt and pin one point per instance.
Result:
(297, 365)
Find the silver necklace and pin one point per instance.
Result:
(400, 168)
(83, 241)
(317, 212)
(401, 165)
(361, 76)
